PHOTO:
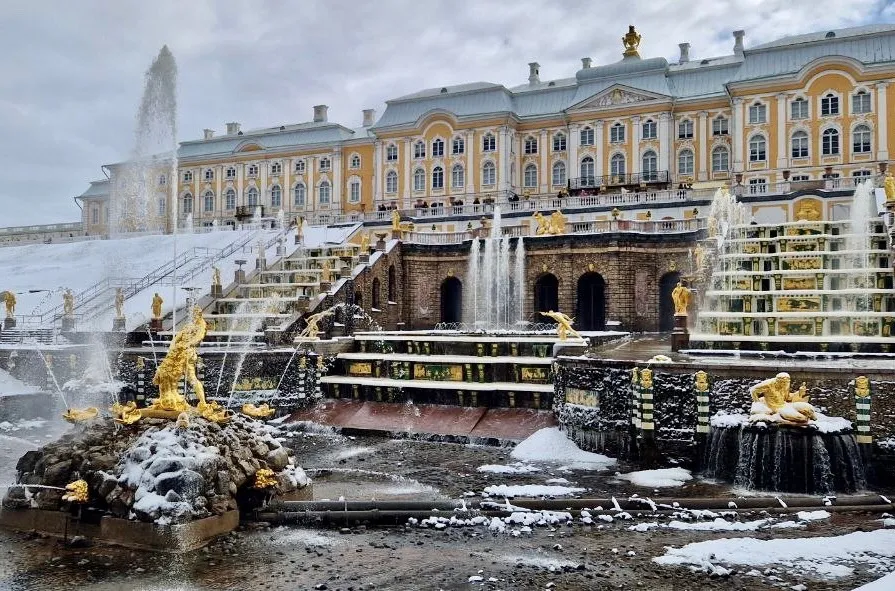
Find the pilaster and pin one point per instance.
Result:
(572, 168)
(781, 132)
(736, 122)
(544, 150)
(664, 143)
(599, 161)
(703, 139)
(882, 122)
(635, 144)
(471, 173)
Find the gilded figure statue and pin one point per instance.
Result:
(215, 276)
(808, 211)
(365, 243)
(699, 255)
(180, 362)
(862, 387)
(119, 303)
(889, 186)
(773, 401)
(396, 220)
(646, 379)
(157, 306)
(702, 381)
(680, 295)
(68, 302)
(312, 330)
(9, 299)
(563, 325)
(557, 223)
(300, 230)
(543, 224)
(327, 275)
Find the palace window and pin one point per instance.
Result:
(438, 178)
(861, 139)
(299, 167)
(230, 174)
(162, 206)
(354, 162)
(559, 174)
(298, 195)
(252, 197)
(276, 169)
(617, 133)
(531, 145)
(587, 170)
(800, 177)
(276, 196)
(187, 203)
(458, 177)
(685, 129)
(391, 182)
(419, 180)
(458, 146)
(209, 174)
(758, 186)
(649, 166)
(758, 113)
(419, 149)
(587, 136)
(324, 192)
(253, 170)
(530, 177)
(720, 125)
(95, 215)
(649, 130)
(438, 148)
(829, 145)
(489, 174)
(617, 167)
(685, 163)
(798, 109)
(861, 174)
(720, 159)
(860, 102)
(829, 105)
(209, 201)
(489, 144)
(354, 192)
(188, 176)
(230, 198)
(163, 180)
(799, 145)
(325, 164)
(559, 142)
(757, 149)
(391, 153)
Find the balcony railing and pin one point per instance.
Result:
(614, 180)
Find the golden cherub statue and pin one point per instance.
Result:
(9, 299)
(680, 295)
(365, 243)
(889, 186)
(772, 401)
(563, 325)
(119, 303)
(68, 302)
(157, 306)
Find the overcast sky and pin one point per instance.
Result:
(72, 72)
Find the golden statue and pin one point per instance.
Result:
(9, 299)
(808, 211)
(257, 412)
(702, 381)
(712, 227)
(215, 276)
(563, 325)
(76, 492)
(699, 255)
(312, 331)
(862, 387)
(300, 230)
(76, 415)
(772, 399)
(631, 41)
(680, 295)
(396, 220)
(889, 186)
(126, 414)
(68, 302)
(646, 379)
(543, 224)
(327, 275)
(119, 303)
(557, 223)
(157, 306)
(365, 243)
(264, 478)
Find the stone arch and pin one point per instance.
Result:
(392, 284)
(451, 300)
(375, 296)
(546, 294)
(358, 298)
(667, 283)
(590, 313)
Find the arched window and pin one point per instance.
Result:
(617, 133)
(438, 178)
(530, 176)
(299, 167)
(354, 162)
(209, 174)
(559, 173)
(391, 153)
(458, 177)
(376, 300)
(325, 164)
(323, 192)
(489, 173)
(298, 195)
(531, 145)
(489, 143)
(587, 136)
(276, 169)
(392, 284)
(252, 199)
(860, 102)
(230, 198)
(438, 148)
(458, 146)
(231, 173)
(720, 159)
(617, 167)
(276, 196)
(799, 148)
(354, 191)
(419, 180)
(861, 139)
(253, 170)
(830, 142)
(757, 149)
(188, 176)
(685, 163)
(391, 182)
(829, 105)
(649, 166)
(209, 201)
(187, 203)
(649, 129)
(559, 142)
(419, 149)
(587, 170)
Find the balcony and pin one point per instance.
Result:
(620, 180)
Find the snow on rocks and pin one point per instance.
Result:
(531, 490)
(515, 468)
(661, 478)
(551, 445)
(886, 583)
(822, 424)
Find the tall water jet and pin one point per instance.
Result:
(858, 245)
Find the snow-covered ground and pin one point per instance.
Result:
(552, 445)
(10, 385)
(661, 478)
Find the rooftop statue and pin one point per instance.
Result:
(631, 41)
(563, 325)
(772, 401)
(680, 295)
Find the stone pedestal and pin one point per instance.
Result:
(68, 324)
(118, 324)
(364, 258)
(260, 263)
(9, 323)
(396, 234)
(380, 245)
(155, 325)
(680, 338)
(239, 276)
(217, 291)
(325, 286)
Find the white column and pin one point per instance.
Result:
(471, 173)
(263, 196)
(882, 123)
(311, 189)
(519, 143)
(285, 186)
(503, 160)
(703, 138)
(377, 173)
(601, 151)
(664, 144)
(544, 150)
(781, 132)
(636, 130)
(737, 121)
(407, 171)
(337, 181)
(572, 168)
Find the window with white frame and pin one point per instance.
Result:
(720, 125)
(758, 149)
(95, 215)
(438, 148)
(354, 191)
(419, 180)
(861, 139)
(587, 171)
(861, 174)
(860, 102)
(162, 180)
(559, 142)
(324, 192)
(587, 136)
(617, 167)
(391, 182)
(617, 133)
(489, 143)
(391, 153)
(298, 195)
(325, 164)
(685, 163)
(438, 178)
(354, 162)
(230, 174)
(798, 109)
(799, 145)
(188, 176)
(209, 201)
(230, 199)
(530, 176)
(531, 145)
(458, 176)
(162, 206)
(187, 203)
(829, 105)
(685, 129)
(559, 174)
(209, 174)
(419, 149)
(276, 169)
(720, 159)
(252, 170)
(489, 174)
(796, 178)
(758, 113)
(276, 196)
(649, 166)
(252, 197)
(649, 130)
(758, 186)
(299, 167)
(829, 144)
(458, 146)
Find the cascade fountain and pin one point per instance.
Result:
(496, 277)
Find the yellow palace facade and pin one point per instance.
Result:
(801, 108)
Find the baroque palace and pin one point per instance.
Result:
(802, 108)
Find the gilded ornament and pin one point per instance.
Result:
(773, 401)
(862, 387)
(809, 210)
(126, 414)
(215, 276)
(631, 41)
(646, 379)
(702, 381)
(680, 295)
(563, 325)
(635, 376)
(9, 299)
(141, 363)
(889, 186)
(312, 330)
(257, 412)
(68, 303)
(672, 266)
(119, 303)
(157, 306)
(265, 478)
(76, 492)
(79, 415)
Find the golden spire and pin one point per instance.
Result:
(631, 42)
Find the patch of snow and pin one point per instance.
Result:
(516, 468)
(552, 445)
(22, 424)
(822, 423)
(887, 583)
(531, 490)
(661, 478)
(722, 419)
(11, 385)
(813, 515)
(557, 481)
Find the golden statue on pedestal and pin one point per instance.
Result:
(631, 41)
(157, 306)
(215, 276)
(680, 295)
(396, 219)
(365, 243)
(327, 275)
(119, 303)
(9, 299)
(68, 302)
(563, 325)
(889, 186)
(772, 401)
